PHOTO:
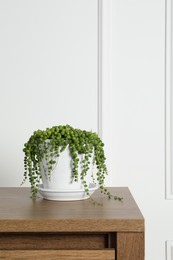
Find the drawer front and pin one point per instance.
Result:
(107, 254)
(53, 241)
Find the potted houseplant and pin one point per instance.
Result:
(80, 151)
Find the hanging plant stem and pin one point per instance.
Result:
(50, 143)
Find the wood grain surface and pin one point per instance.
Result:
(130, 246)
(28, 241)
(19, 213)
(70, 230)
(108, 254)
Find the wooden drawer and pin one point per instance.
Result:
(70, 230)
(54, 241)
(107, 254)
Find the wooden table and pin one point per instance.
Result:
(70, 230)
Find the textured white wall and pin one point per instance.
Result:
(48, 65)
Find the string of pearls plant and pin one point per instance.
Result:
(79, 141)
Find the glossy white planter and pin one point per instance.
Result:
(66, 195)
(59, 186)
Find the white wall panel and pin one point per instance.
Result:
(52, 72)
(48, 64)
(169, 250)
(169, 100)
(105, 112)
(169, 113)
(139, 114)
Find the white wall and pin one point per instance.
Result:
(48, 65)
(138, 107)
(49, 77)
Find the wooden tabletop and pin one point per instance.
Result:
(19, 213)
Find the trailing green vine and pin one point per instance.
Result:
(48, 144)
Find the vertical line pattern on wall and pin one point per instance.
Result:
(105, 77)
(168, 100)
(169, 250)
(99, 67)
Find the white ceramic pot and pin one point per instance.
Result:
(61, 177)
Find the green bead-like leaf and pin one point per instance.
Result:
(50, 143)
